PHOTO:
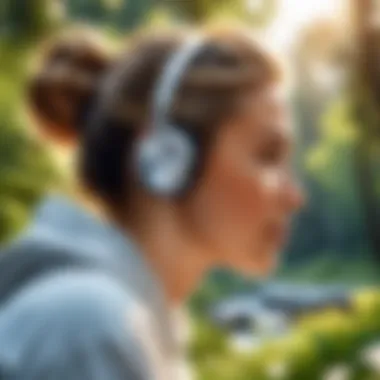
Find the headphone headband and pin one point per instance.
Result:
(164, 157)
(164, 91)
(170, 79)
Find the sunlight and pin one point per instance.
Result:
(293, 15)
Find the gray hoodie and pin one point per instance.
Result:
(77, 301)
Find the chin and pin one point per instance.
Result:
(262, 266)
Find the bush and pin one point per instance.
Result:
(26, 169)
(317, 344)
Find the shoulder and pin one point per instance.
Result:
(74, 298)
(68, 314)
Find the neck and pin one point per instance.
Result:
(170, 250)
(165, 241)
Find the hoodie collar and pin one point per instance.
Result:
(62, 220)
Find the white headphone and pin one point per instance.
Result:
(165, 157)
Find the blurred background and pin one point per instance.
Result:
(319, 317)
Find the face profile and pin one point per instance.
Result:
(222, 173)
(248, 194)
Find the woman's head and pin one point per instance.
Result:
(241, 192)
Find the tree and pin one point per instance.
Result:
(366, 102)
(29, 20)
(316, 57)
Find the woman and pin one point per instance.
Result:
(183, 144)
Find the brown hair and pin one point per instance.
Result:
(65, 93)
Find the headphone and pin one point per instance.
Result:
(165, 156)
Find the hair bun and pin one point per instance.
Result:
(65, 82)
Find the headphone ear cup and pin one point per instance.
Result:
(165, 160)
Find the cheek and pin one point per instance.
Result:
(230, 209)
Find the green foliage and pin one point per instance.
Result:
(332, 225)
(255, 13)
(331, 268)
(26, 170)
(317, 344)
(120, 15)
(125, 15)
(333, 153)
(210, 341)
(25, 173)
(218, 284)
(25, 21)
